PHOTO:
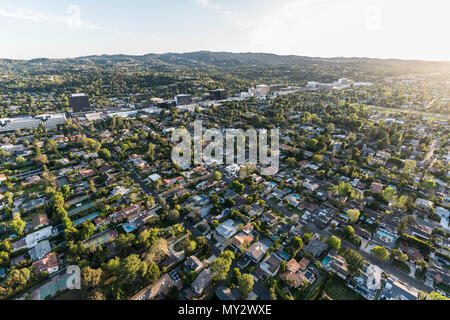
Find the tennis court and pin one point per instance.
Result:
(101, 238)
(80, 209)
(59, 283)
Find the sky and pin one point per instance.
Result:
(402, 29)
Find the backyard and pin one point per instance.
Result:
(336, 290)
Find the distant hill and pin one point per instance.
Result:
(228, 60)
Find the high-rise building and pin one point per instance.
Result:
(261, 90)
(218, 94)
(183, 99)
(166, 104)
(79, 103)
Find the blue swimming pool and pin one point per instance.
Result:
(325, 260)
(201, 184)
(128, 228)
(382, 233)
(284, 255)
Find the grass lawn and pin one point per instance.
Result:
(401, 265)
(337, 290)
(420, 275)
(179, 246)
(32, 188)
(443, 287)
(369, 227)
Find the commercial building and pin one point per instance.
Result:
(183, 99)
(50, 121)
(218, 94)
(79, 103)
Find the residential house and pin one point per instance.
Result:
(394, 289)
(257, 250)
(242, 240)
(201, 282)
(227, 229)
(192, 263)
(40, 220)
(336, 264)
(48, 263)
(39, 250)
(227, 294)
(316, 247)
(376, 187)
(368, 282)
(413, 253)
(271, 264)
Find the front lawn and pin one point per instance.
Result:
(443, 287)
(401, 265)
(337, 290)
(369, 226)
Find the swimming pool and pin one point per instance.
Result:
(284, 255)
(128, 227)
(384, 234)
(201, 184)
(325, 260)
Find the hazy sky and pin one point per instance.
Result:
(409, 29)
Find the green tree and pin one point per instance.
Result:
(354, 260)
(381, 252)
(353, 214)
(237, 186)
(150, 154)
(409, 166)
(87, 231)
(334, 242)
(389, 194)
(220, 268)
(173, 216)
(429, 185)
(349, 232)
(344, 188)
(17, 226)
(105, 154)
(246, 283)
(398, 255)
(437, 296)
(217, 176)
